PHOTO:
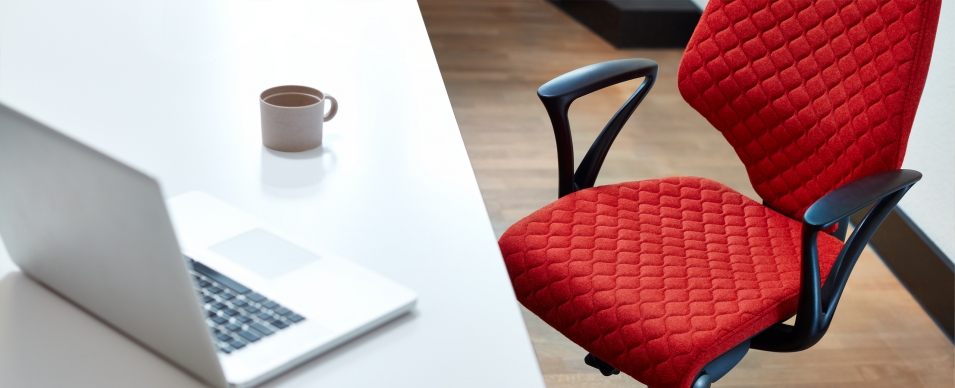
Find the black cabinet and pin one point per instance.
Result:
(636, 23)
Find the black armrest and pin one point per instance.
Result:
(853, 196)
(818, 299)
(557, 95)
(588, 79)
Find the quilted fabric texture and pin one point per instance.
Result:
(659, 277)
(812, 94)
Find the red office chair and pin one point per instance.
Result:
(672, 280)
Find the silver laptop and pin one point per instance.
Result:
(232, 301)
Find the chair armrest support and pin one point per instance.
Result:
(818, 300)
(853, 196)
(557, 95)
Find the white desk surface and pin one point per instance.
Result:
(171, 88)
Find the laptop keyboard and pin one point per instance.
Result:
(236, 315)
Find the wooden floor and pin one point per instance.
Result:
(494, 54)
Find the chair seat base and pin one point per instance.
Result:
(605, 368)
(703, 381)
(712, 372)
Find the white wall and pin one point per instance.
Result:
(931, 150)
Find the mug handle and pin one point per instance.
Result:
(333, 110)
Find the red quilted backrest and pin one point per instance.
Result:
(812, 94)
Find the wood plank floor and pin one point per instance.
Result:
(494, 54)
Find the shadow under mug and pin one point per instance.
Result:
(292, 117)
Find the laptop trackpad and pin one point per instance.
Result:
(264, 253)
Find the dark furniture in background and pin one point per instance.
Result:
(636, 23)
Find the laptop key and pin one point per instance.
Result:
(251, 309)
(229, 312)
(207, 299)
(270, 304)
(232, 327)
(239, 303)
(249, 336)
(295, 318)
(224, 337)
(219, 320)
(219, 278)
(264, 316)
(282, 311)
(279, 324)
(260, 328)
(237, 344)
(226, 296)
(242, 318)
(217, 306)
(255, 297)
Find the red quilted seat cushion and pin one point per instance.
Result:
(812, 94)
(659, 277)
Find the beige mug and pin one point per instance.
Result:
(292, 117)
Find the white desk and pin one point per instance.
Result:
(171, 88)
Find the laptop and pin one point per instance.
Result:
(211, 289)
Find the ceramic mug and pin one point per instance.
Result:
(292, 117)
